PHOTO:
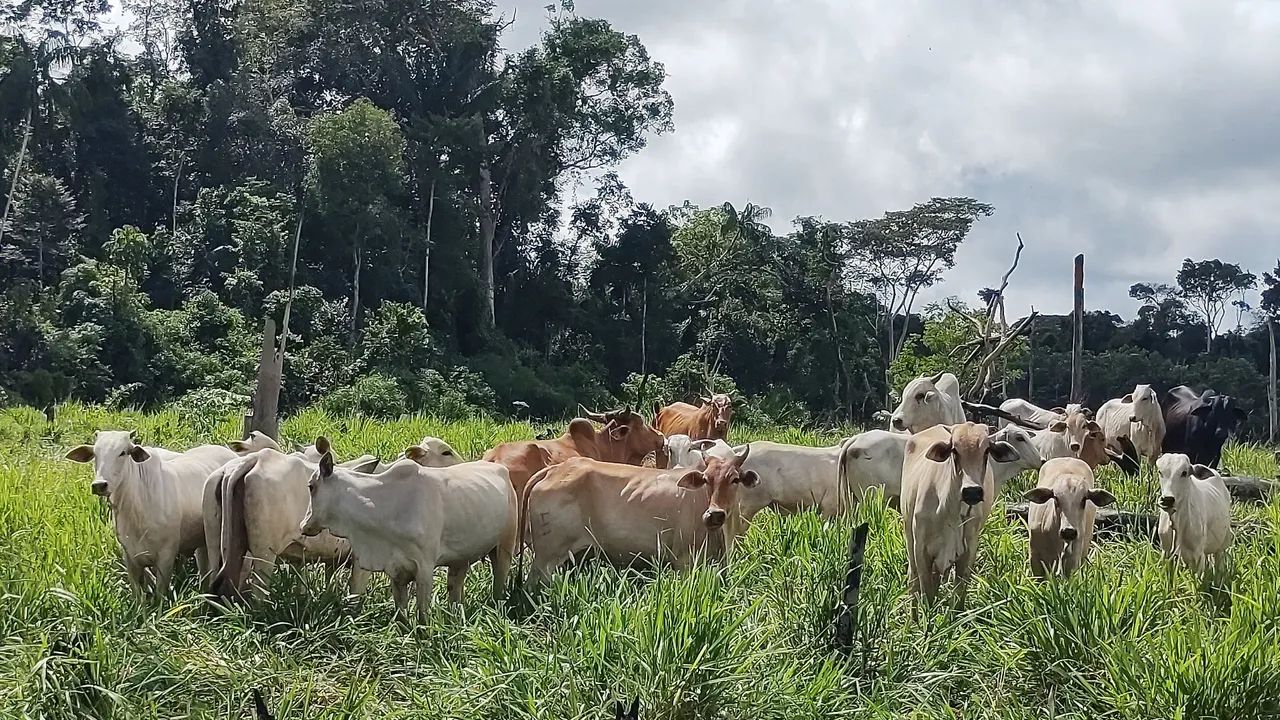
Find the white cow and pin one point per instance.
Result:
(155, 503)
(1028, 455)
(410, 520)
(873, 459)
(1060, 516)
(928, 401)
(1137, 416)
(256, 441)
(1031, 412)
(793, 478)
(685, 452)
(1195, 515)
(429, 452)
(947, 493)
(252, 522)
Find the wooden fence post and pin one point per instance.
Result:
(1077, 334)
(847, 609)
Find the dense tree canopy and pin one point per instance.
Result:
(463, 242)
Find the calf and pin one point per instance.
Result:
(1060, 516)
(1195, 515)
(260, 502)
(630, 513)
(410, 520)
(155, 503)
(710, 421)
(928, 401)
(1199, 425)
(947, 492)
(624, 438)
(1136, 416)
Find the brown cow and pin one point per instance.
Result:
(625, 438)
(708, 422)
(630, 513)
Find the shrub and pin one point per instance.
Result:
(206, 407)
(462, 394)
(372, 396)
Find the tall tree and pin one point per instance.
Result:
(356, 176)
(45, 229)
(906, 251)
(1206, 285)
(1269, 306)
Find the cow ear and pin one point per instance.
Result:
(1003, 452)
(238, 446)
(706, 400)
(326, 464)
(930, 395)
(749, 478)
(692, 480)
(1201, 410)
(1100, 497)
(702, 445)
(1093, 427)
(1058, 427)
(139, 454)
(1059, 411)
(322, 445)
(415, 453)
(1038, 495)
(939, 451)
(619, 432)
(81, 453)
(1202, 472)
(1127, 398)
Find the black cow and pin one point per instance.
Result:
(1198, 425)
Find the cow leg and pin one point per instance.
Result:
(136, 574)
(259, 567)
(164, 571)
(425, 585)
(963, 568)
(500, 559)
(400, 594)
(202, 565)
(457, 583)
(358, 583)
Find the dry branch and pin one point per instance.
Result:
(980, 409)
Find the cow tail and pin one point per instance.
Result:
(235, 532)
(522, 520)
(842, 468)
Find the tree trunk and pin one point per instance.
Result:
(426, 263)
(1077, 334)
(488, 226)
(182, 159)
(355, 287)
(1271, 384)
(17, 172)
(1208, 337)
(1031, 362)
(844, 369)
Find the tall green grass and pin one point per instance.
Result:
(748, 641)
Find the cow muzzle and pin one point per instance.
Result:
(898, 423)
(1075, 447)
(99, 488)
(1166, 503)
(971, 494)
(1133, 418)
(1068, 533)
(308, 528)
(714, 518)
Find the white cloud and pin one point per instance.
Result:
(1138, 133)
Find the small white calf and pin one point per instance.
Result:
(1060, 516)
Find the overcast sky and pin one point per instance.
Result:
(1138, 132)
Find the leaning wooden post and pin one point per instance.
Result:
(847, 610)
(266, 397)
(1271, 384)
(1077, 334)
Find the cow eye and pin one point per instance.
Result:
(919, 396)
(447, 452)
(123, 453)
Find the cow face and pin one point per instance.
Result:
(631, 438)
(1070, 493)
(1220, 414)
(1029, 457)
(722, 479)
(921, 406)
(969, 449)
(115, 455)
(721, 406)
(1082, 432)
(256, 441)
(1176, 471)
(432, 452)
(1145, 403)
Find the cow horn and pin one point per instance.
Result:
(739, 459)
(937, 378)
(598, 417)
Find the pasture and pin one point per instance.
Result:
(751, 641)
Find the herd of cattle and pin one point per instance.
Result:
(668, 491)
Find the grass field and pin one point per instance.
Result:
(746, 643)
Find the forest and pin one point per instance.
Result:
(436, 221)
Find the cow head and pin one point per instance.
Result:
(721, 406)
(1145, 403)
(432, 452)
(921, 406)
(256, 441)
(115, 455)
(721, 478)
(1029, 457)
(969, 448)
(324, 495)
(1070, 492)
(682, 452)
(1082, 433)
(1176, 471)
(1220, 414)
